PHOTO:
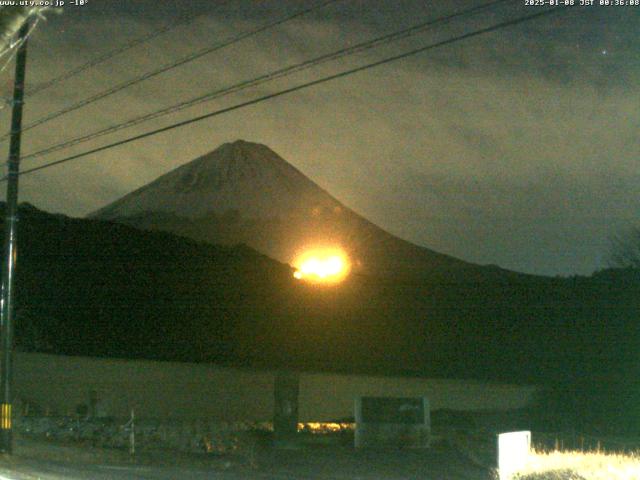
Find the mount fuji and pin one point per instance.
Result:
(244, 192)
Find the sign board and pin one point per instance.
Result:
(393, 410)
(392, 422)
(513, 453)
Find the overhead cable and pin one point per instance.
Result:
(170, 66)
(299, 87)
(273, 75)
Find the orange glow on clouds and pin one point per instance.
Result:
(326, 265)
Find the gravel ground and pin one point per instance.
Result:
(51, 461)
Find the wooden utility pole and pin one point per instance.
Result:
(10, 249)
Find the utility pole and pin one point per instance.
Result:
(9, 259)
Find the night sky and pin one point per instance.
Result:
(517, 148)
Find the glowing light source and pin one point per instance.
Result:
(326, 427)
(327, 265)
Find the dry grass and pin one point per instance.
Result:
(576, 465)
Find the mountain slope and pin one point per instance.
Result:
(240, 176)
(96, 288)
(88, 287)
(244, 192)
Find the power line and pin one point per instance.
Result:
(170, 66)
(113, 53)
(14, 47)
(283, 72)
(302, 86)
(299, 87)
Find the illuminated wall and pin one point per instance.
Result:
(183, 390)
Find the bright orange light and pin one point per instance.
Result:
(326, 427)
(327, 265)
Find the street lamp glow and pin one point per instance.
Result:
(322, 265)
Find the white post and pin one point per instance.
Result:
(513, 453)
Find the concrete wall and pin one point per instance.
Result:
(326, 396)
(190, 391)
(154, 389)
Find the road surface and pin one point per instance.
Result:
(319, 463)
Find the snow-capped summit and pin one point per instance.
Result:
(244, 177)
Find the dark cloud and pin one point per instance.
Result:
(517, 148)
